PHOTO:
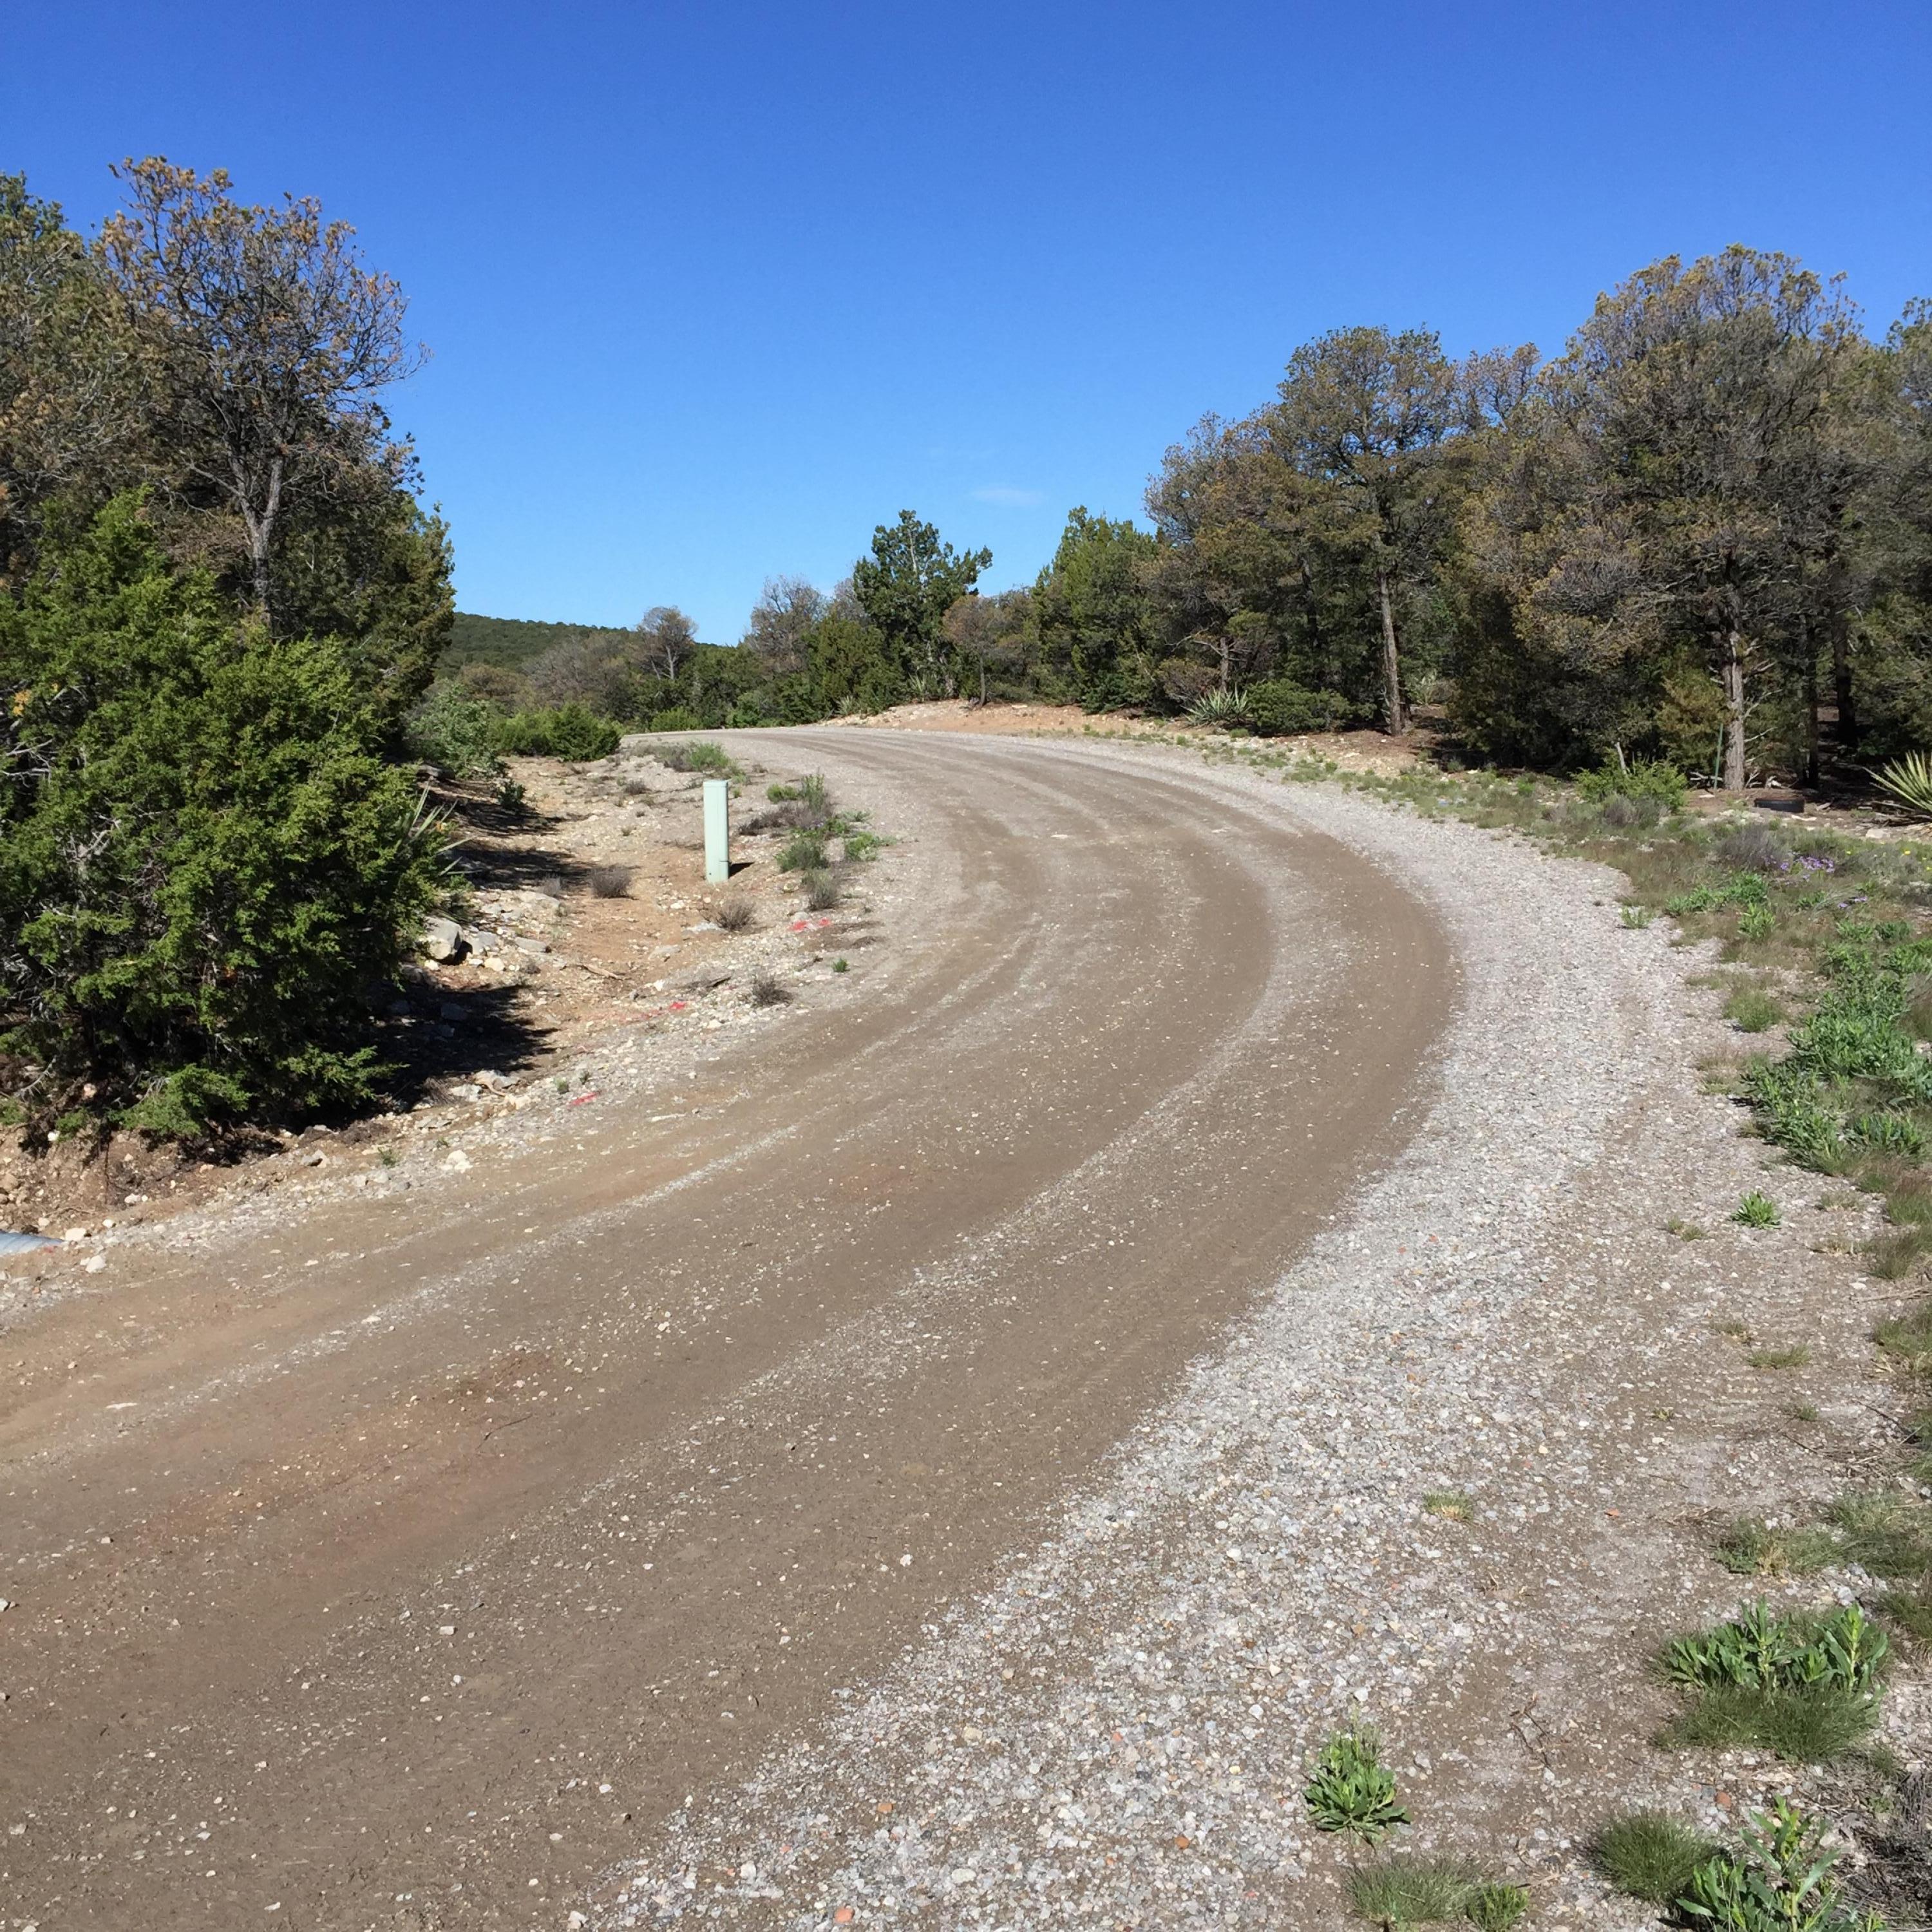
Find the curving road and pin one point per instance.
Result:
(401, 1572)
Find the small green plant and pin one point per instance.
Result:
(803, 852)
(1757, 921)
(1911, 1610)
(1652, 1856)
(1684, 1231)
(1495, 1906)
(821, 890)
(1756, 1211)
(842, 966)
(1907, 1338)
(1888, 1534)
(1450, 1503)
(1794, 1357)
(860, 846)
(1636, 917)
(1750, 1009)
(388, 1156)
(562, 1085)
(1750, 1548)
(1895, 1257)
(1778, 1880)
(511, 797)
(1805, 1687)
(783, 794)
(1394, 1893)
(1350, 1792)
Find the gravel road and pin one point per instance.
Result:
(406, 1560)
(948, 1455)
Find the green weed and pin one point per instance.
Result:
(1794, 1357)
(1422, 1891)
(1684, 1231)
(1907, 1338)
(804, 851)
(1756, 1211)
(1780, 1880)
(1450, 1503)
(1494, 1906)
(1805, 1687)
(1750, 1548)
(1636, 917)
(1752, 1010)
(1883, 1532)
(1349, 1790)
(1652, 1856)
(1895, 1257)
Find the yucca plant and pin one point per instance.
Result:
(1907, 782)
(1229, 707)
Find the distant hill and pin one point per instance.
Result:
(511, 642)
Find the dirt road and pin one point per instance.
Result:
(403, 1571)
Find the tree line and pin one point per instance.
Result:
(1701, 535)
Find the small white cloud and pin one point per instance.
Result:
(1012, 499)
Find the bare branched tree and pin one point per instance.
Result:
(278, 341)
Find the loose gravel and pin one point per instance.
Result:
(1117, 1733)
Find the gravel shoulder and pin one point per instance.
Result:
(1116, 1731)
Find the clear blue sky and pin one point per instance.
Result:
(713, 288)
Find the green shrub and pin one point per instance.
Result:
(1281, 708)
(457, 730)
(802, 852)
(205, 859)
(1756, 1211)
(677, 718)
(1350, 1792)
(572, 732)
(1645, 779)
(1495, 1907)
(700, 754)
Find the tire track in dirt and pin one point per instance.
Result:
(568, 1493)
